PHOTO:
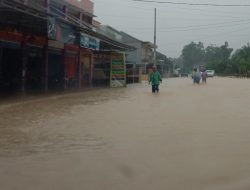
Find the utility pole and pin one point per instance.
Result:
(155, 39)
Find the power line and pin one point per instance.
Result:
(195, 28)
(243, 21)
(206, 37)
(213, 24)
(225, 33)
(203, 11)
(195, 4)
(204, 27)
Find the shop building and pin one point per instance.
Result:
(51, 45)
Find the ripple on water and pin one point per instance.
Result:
(24, 145)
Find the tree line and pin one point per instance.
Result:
(222, 59)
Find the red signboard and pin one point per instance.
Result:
(19, 37)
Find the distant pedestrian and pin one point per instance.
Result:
(204, 76)
(155, 79)
(196, 76)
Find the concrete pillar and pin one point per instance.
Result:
(140, 74)
(25, 2)
(1, 61)
(46, 5)
(65, 70)
(65, 11)
(134, 67)
(24, 67)
(91, 69)
(79, 70)
(81, 18)
(46, 68)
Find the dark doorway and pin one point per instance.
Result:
(56, 71)
(101, 69)
(11, 70)
(86, 71)
(35, 69)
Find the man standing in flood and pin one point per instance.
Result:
(196, 76)
(155, 79)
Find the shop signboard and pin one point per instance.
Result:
(66, 33)
(62, 32)
(89, 42)
(55, 44)
(117, 70)
(52, 28)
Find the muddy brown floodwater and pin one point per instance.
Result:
(184, 138)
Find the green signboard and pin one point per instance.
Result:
(117, 70)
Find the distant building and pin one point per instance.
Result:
(141, 59)
(110, 32)
(142, 56)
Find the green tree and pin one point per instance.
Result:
(241, 61)
(218, 58)
(193, 55)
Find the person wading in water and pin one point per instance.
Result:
(155, 79)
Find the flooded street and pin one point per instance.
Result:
(184, 138)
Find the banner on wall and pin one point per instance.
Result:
(51, 28)
(66, 34)
(89, 42)
(62, 32)
(117, 70)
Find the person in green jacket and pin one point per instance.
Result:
(155, 79)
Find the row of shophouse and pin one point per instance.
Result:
(57, 44)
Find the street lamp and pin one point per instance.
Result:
(155, 39)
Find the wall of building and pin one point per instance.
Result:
(147, 54)
(133, 56)
(110, 32)
(86, 5)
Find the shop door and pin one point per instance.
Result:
(35, 69)
(86, 71)
(56, 71)
(70, 63)
(11, 70)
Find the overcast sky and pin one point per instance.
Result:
(178, 25)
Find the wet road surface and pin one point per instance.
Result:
(184, 138)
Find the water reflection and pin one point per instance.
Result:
(23, 128)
